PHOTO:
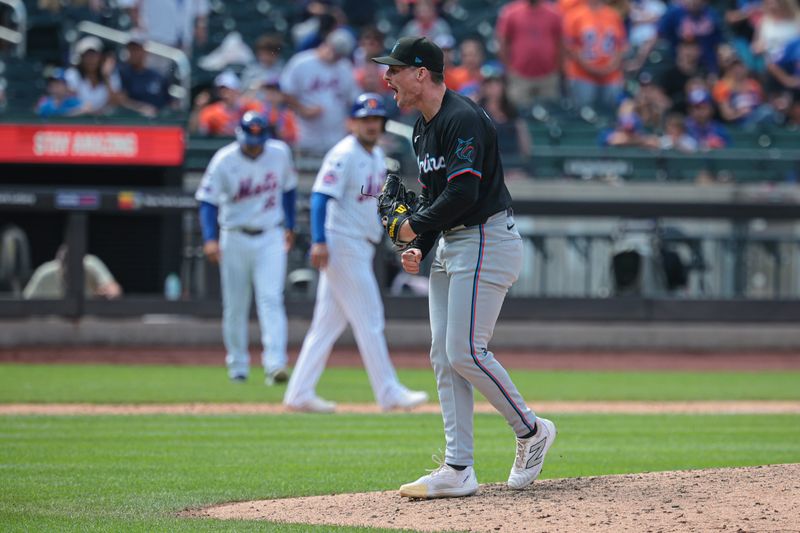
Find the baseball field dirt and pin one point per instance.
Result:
(762, 498)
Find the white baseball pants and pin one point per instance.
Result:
(347, 292)
(250, 262)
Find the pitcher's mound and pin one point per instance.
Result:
(762, 498)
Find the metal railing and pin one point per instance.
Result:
(183, 68)
(743, 247)
(17, 37)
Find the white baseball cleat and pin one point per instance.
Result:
(530, 455)
(444, 482)
(408, 399)
(314, 405)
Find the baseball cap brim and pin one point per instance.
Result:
(389, 60)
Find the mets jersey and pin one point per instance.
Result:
(331, 86)
(347, 170)
(249, 191)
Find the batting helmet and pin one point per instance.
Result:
(368, 105)
(253, 129)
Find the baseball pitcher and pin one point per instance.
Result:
(466, 206)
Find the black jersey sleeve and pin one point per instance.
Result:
(464, 145)
(458, 196)
(463, 155)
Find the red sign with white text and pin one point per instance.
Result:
(92, 145)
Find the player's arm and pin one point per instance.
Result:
(424, 242)
(329, 184)
(463, 160)
(289, 202)
(319, 247)
(209, 227)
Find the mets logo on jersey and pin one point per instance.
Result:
(466, 149)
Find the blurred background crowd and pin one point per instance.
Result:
(659, 76)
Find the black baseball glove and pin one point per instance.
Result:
(396, 204)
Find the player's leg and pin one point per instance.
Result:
(356, 290)
(482, 270)
(455, 396)
(455, 392)
(482, 274)
(327, 324)
(269, 279)
(235, 276)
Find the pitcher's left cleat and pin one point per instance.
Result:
(530, 455)
(444, 482)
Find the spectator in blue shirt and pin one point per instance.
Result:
(786, 70)
(693, 19)
(58, 101)
(709, 134)
(688, 20)
(145, 90)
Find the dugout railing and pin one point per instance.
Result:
(639, 301)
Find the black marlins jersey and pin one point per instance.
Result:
(460, 142)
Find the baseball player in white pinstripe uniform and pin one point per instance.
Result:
(345, 229)
(247, 205)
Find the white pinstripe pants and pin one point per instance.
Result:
(347, 292)
(248, 263)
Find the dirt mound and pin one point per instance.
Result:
(762, 498)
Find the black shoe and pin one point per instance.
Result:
(279, 376)
(239, 378)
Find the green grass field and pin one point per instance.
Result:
(174, 384)
(134, 473)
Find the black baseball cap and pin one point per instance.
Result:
(414, 52)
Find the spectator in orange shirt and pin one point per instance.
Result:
(523, 26)
(453, 76)
(565, 6)
(595, 42)
(222, 117)
(467, 76)
(739, 97)
(281, 120)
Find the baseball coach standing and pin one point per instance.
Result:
(466, 206)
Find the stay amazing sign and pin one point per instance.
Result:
(144, 146)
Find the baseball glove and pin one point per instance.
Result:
(396, 204)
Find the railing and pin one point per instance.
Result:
(17, 37)
(779, 301)
(176, 55)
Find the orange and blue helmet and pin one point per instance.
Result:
(253, 129)
(368, 105)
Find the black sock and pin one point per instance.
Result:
(531, 434)
(457, 467)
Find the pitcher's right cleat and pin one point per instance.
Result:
(444, 482)
(530, 455)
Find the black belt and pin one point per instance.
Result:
(252, 232)
(509, 212)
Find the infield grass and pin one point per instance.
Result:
(176, 384)
(134, 473)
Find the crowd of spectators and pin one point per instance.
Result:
(668, 75)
